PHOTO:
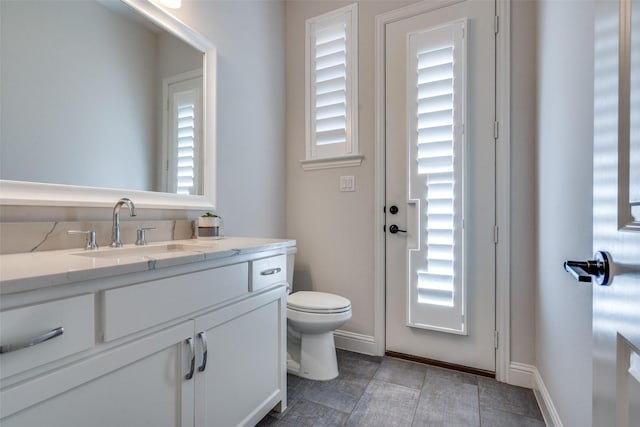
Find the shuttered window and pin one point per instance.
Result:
(436, 92)
(184, 135)
(186, 147)
(332, 85)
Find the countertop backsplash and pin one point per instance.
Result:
(21, 237)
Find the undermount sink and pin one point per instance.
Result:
(143, 250)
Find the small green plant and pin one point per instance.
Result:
(210, 215)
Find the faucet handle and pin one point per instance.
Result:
(141, 240)
(91, 238)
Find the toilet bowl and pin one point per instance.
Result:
(311, 319)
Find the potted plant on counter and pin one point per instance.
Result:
(210, 226)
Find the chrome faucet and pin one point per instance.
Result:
(115, 239)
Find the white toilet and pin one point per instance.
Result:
(311, 319)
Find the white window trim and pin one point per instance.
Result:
(350, 155)
(166, 137)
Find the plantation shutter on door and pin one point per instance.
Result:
(436, 107)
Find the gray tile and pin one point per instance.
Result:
(307, 414)
(451, 375)
(344, 354)
(267, 421)
(496, 418)
(295, 387)
(341, 393)
(401, 372)
(384, 404)
(357, 366)
(374, 391)
(507, 398)
(448, 399)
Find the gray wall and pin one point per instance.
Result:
(523, 181)
(249, 36)
(564, 191)
(335, 230)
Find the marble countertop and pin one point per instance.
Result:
(35, 270)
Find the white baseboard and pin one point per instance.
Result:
(357, 343)
(521, 374)
(549, 412)
(524, 375)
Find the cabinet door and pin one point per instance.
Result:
(245, 375)
(139, 383)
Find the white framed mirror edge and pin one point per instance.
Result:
(628, 209)
(23, 193)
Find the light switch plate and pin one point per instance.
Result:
(347, 183)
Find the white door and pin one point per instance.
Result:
(616, 214)
(440, 181)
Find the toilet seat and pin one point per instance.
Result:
(317, 302)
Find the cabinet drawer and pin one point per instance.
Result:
(268, 271)
(137, 307)
(68, 323)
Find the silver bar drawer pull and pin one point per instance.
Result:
(203, 338)
(192, 354)
(7, 348)
(271, 271)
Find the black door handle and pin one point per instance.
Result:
(393, 229)
(597, 268)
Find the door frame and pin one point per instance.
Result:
(502, 176)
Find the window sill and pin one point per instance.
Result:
(332, 162)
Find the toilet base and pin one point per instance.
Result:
(312, 356)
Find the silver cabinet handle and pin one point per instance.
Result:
(32, 341)
(203, 338)
(271, 271)
(192, 351)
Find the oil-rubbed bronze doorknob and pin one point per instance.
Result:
(393, 229)
(393, 210)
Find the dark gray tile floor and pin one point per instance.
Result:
(383, 391)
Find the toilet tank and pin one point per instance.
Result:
(291, 261)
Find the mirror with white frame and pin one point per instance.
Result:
(103, 99)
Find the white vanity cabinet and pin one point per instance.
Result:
(244, 370)
(139, 383)
(201, 347)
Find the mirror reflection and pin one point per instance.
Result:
(634, 120)
(93, 94)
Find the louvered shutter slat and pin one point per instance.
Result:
(435, 118)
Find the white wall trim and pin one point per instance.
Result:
(357, 343)
(503, 190)
(332, 162)
(522, 375)
(503, 175)
(549, 412)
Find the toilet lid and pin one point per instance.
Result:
(318, 302)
